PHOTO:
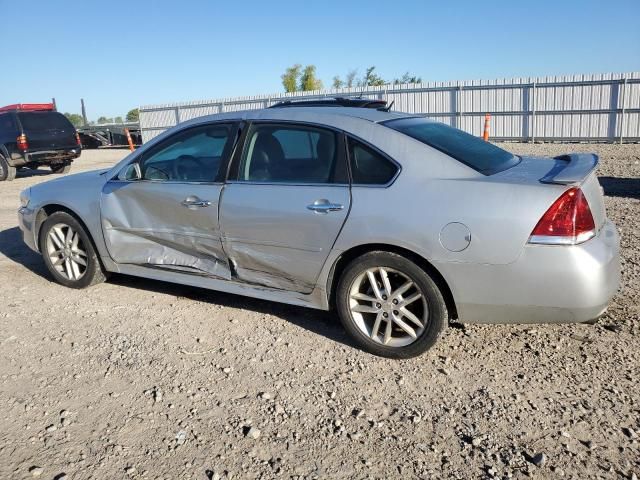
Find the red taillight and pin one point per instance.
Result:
(78, 142)
(568, 221)
(23, 144)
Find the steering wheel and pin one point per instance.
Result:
(181, 163)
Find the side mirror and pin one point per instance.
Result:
(131, 173)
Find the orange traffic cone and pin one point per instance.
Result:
(485, 134)
(131, 147)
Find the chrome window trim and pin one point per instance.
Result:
(163, 182)
(287, 184)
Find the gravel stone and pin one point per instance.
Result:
(81, 359)
(539, 459)
(36, 471)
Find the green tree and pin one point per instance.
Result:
(290, 78)
(118, 120)
(308, 79)
(133, 115)
(75, 119)
(102, 120)
(337, 82)
(408, 78)
(371, 79)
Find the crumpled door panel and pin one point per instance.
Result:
(145, 223)
(273, 267)
(274, 239)
(167, 249)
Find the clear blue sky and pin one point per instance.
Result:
(118, 55)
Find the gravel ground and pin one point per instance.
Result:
(140, 379)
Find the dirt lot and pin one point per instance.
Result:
(139, 379)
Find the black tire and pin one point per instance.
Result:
(92, 274)
(403, 269)
(61, 169)
(7, 172)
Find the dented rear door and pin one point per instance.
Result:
(279, 236)
(168, 219)
(284, 205)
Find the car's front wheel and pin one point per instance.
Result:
(390, 306)
(68, 252)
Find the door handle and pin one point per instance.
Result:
(324, 206)
(190, 202)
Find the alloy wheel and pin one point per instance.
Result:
(388, 306)
(66, 251)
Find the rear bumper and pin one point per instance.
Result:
(547, 284)
(57, 156)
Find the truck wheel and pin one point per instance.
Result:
(7, 172)
(61, 169)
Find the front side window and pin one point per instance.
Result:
(474, 152)
(369, 167)
(193, 155)
(291, 154)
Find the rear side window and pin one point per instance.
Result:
(6, 123)
(43, 121)
(369, 167)
(474, 152)
(291, 154)
(297, 143)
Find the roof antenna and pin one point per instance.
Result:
(388, 107)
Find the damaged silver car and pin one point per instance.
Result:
(399, 223)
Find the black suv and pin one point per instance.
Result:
(35, 134)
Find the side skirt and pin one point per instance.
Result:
(316, 299)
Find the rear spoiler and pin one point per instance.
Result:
(578, 167)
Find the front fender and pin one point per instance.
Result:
(80, 195)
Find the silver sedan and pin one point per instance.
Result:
(399, 223)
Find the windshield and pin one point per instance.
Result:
(43, 121)
(474, 152)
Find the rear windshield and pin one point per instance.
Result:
(43, 121)
(482, 156)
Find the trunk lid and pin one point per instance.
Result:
(47, 130)
(561, 173)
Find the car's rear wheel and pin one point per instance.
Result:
(61, 169)
(7, 172)
(390, 306)
(68, 252)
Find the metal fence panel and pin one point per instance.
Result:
(599, 107)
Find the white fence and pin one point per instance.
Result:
(597, 107)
